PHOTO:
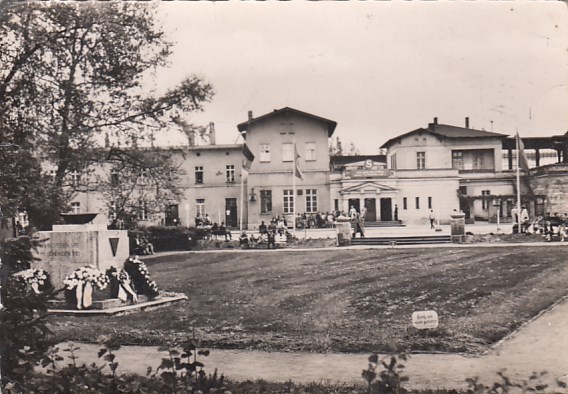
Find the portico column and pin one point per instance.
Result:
(537, 157)
(345, 203)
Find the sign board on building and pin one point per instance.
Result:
(425, 319)
(368, 173)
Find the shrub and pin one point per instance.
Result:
(165, 238)
(23, 313)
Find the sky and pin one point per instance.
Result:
(379, 69)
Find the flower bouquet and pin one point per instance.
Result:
(141, 277)
(121, 285)
(37, 279)
(80, 283)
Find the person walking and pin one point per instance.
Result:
(431, 219)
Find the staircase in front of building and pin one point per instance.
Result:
(392, 223)
(399, 241)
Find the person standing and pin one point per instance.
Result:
(358, 226)
(352, 212)
(524, 219)
(395, 213)
(431, 218)
(363, 214)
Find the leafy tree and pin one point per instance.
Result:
(72, 73)
(140, 182)
(353, 151)
(336, 149)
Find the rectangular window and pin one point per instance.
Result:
(311, 200)
(199, 174)
(417, 202)
(230, 173)
(114, 178)
(287, 152)
(477, 161)
(264, 153)
(393, 161)
(457, 160)
(143, 176)
(288, 201)
(336, 204)
(200, 207)
(429, 202)
(75, 177)
(265, 201)
(112, 210)
(404, 203)
(144, 211)
(310, 151)
(75, 207)
(485, 199)
(420, 160)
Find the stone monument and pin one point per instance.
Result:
(70, 246)
(344, 231)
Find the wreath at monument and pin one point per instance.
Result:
(121, 285)
(141, 277)
(80, 283)
(37, 279)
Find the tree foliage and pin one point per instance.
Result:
(139, 183)
(71, 73)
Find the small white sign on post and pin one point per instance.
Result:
(425, 319)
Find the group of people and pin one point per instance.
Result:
(143, 245)
(212, 230)
(525, 219)
(550, 226)
(268, 238)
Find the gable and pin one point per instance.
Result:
(367, 187)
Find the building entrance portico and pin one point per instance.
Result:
(376, 198)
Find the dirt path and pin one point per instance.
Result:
(541, 345)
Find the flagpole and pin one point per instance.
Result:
(519, 210)
(294, 186)
(242, 197)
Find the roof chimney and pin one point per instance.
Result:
(212, 139)
(250, 115)
(436, 121)
(467, 122)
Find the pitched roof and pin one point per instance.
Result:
(287, 110)
(449, 131)
(444, 131)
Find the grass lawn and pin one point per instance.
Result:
(341, 300)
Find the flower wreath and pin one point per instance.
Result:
(141, 277)
(38, 279)
(82, 281)
(121, 285)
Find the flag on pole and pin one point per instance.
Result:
(523, 163)
(248, 158)
(297, 171)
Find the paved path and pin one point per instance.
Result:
(541, 344)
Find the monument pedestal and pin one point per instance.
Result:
(343, 233)
(68, 247)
